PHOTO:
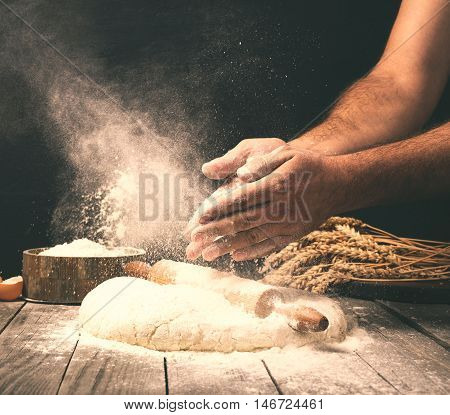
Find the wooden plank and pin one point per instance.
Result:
(36, 348)
(217, 373)
(100, 367)
(410, 361)
(431, 319)
(8, 310)
(314, 370)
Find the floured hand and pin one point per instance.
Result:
(280, 196)
(227, 165)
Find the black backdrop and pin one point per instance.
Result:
(232, 69)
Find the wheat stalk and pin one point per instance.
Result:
(346, 249)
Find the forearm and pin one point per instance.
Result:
(396, 98)
(272, 210)
(377, 109)
(402, 171)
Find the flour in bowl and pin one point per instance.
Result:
(87, 248)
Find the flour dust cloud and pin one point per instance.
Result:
(119, 124)
(132, 186)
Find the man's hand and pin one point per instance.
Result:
(227, 165)
(304, 188)
(289, 193)
(385, 106)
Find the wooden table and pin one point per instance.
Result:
(41, 352)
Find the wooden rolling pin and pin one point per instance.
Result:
(253, 296)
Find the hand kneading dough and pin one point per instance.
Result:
(182, 317)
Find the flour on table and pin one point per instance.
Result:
(87, 248)
(183, 317)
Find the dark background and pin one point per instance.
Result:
(226, 70)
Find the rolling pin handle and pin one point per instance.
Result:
(303, 319)
(137, 269)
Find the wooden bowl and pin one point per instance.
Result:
(67, 280)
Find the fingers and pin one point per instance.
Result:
(238, 222)
(193, 251)
(191, 225)
(226, 165)
(244, 245)
(203, 235)
(224, 189)
(259, 166)
(241, 240)
(262, 248)
(246, 196)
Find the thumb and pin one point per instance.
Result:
(225, 166)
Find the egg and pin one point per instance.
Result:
(11, 289)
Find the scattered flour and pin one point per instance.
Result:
(183, 317)
(87, 248)
(310, 355)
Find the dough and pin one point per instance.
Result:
(183, 317)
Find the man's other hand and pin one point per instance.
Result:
(227, 165)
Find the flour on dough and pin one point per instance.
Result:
(181, 317)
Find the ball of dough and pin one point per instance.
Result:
(180, 317)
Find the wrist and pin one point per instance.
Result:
(329, 189)
(319, 143)
(343, 180)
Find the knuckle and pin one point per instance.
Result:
(213, 232)
(250, 218)
(275, 140)
(281, 184)
(279, 208)
(225, 242)
(244, 220)
(222, 228)
(263, 164)
(280, 241)
(253, 236)
(230, 226)
(286, 228)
